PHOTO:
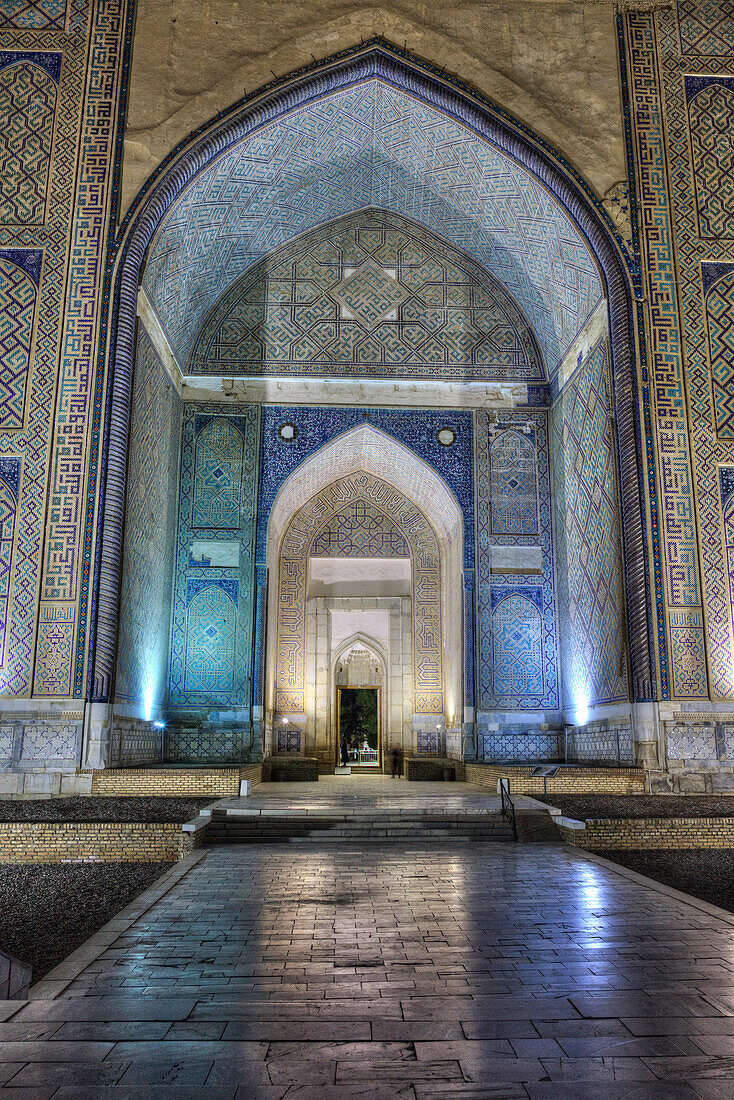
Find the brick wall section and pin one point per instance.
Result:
(568, 780)
(201, 782)
(51, 842)
(655, 832)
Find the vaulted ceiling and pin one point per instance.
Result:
(364, 147)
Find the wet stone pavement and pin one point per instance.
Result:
(480, 970)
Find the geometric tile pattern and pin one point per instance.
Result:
(522, 747)
(726, 478)
(691, 741)
(34, 15)
(307, 526)
(17, 309)
(370, 294)
(416, 429)
(289, 740)
(218, 476)
(211, 621)
(514, 485)
(150, 525)
(517, 647)
(711, 115)
(591, 597)
(49, 741)
(198, 745)
(91, 65)
(608, 745)
(27, 108)
(720, 321)
(360, 531)
(370, 146)
(210, 642)
(69, 536)
(706, 26)
(33, 441)
(427, 743)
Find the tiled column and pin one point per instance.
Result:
(469, 717)
(258, 659)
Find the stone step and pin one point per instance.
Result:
(393, 827)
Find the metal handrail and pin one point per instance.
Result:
(508, 806)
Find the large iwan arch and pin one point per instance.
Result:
(528, 159)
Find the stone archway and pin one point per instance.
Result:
(405, 514)
(359, 662)
(301, 543)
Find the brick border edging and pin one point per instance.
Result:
(663, 834)
(54, 842)
(586, 779)
(57, 980)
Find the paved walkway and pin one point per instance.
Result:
(480, 970)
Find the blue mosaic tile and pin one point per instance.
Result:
(371, 295)
(415, 428)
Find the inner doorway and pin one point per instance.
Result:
(359, 732)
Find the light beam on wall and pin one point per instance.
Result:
(148, 700)
(582, 710)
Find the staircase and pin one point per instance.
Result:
(384, 827)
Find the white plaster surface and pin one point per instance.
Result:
(596, 327)
(517, 559)
(359, 577)
(222, 553)
(158, 338)
(350, 392)
(370, 623)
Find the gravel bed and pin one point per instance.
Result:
(706, 873)
(48, 910)
(586, 806)
(93, 808)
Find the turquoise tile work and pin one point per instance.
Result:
(150, 526)
(590, 587)
(211, 623)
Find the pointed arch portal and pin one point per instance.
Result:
(422, 523)
(374, 79)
